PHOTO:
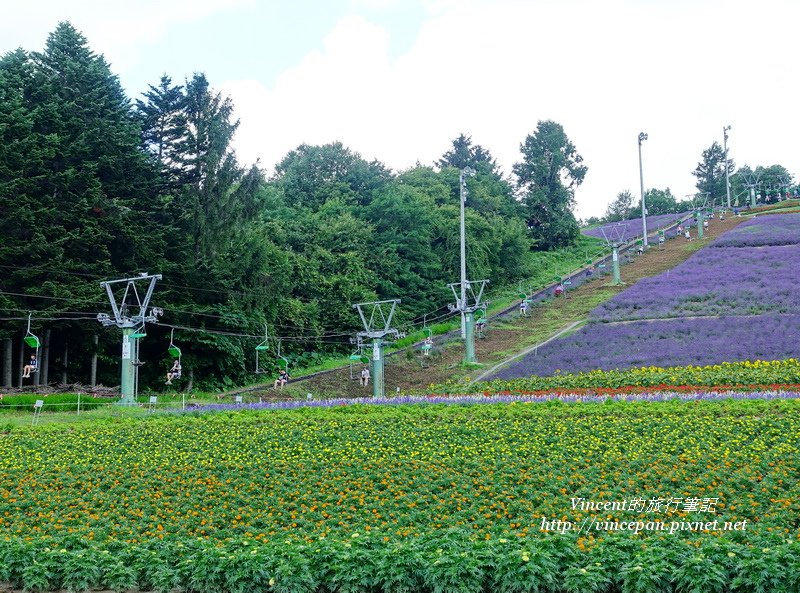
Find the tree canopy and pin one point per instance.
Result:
(94, 187)
(547, 176)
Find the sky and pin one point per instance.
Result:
(398, 80)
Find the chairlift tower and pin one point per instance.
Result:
(614, 238)
(751, 182)
(377, 319)
(130, 315)
(700, 203)
(469, 302)
(462, 188)
(466, 300)
(785, 182)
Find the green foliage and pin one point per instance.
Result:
(621, 208)
(710, 173)
(550, 171)
(66, 402)
(93, 187)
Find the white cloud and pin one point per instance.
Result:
(676, 69)
(115, 28)
(606, 71)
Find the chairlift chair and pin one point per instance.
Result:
(32, 340)
(480, 322)
(173, 350)
(260, 348)
(138, 334)
(284, 361)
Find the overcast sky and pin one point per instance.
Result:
(397, 80)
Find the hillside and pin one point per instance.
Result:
(732, 300)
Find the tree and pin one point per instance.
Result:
(621, 208)
(312, 175)
(464, 154)
(659, 201)
(550, 171)
(75, 187)
(710, 172)
(775, 180)
(164, 126)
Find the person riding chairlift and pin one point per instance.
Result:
(283, 379)
(174, 372)
(30, 367)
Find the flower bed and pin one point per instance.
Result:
(456, 498)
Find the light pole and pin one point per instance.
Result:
(727, 179)
(462, 182)
(642, 138)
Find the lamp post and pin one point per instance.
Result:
(727, 179)
(462, 183)
(642, 138)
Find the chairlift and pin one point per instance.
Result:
(480, 322)
(260, 348)
(138, 334)
(32, 340)
(357, 357)
(284, 361)
(173, 350)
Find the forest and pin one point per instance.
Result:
(96, 186)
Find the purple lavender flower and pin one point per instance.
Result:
(663, 343)
(499, 399)
(633, 227)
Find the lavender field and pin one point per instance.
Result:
(664, 343)
(633, 227)
(774, 229)
(722, 281)
(737, 299)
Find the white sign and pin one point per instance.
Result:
(238, 399)
(376, 353)
(126, 347)
(39, 403)
(615, 256)
(153, 399)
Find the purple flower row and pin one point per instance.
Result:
(633, 227)
(664, 343)
(721, 281)
(774, 229)
(658, 396)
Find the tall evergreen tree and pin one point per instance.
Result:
(710, 172)
(164, 127)
(465, 154)
(547, 176)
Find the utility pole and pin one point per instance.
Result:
(727, 178)
(377, 322)
(130, 315)
(642, 138)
